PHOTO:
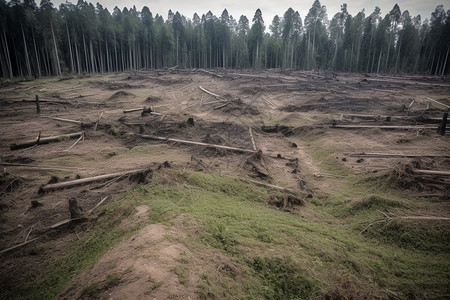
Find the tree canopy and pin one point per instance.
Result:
(42, 40)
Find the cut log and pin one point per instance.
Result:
(133, 109)
(432, 172)
(46, 140)
(158, 138)
(76, 182)
(45, 101)
(64, 120)
(394, 155)
(42, 167)
(210, 73)
(211, 93)
(382, 127)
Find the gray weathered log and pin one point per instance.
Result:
(45, 140)
(159, 138)
(76, 182)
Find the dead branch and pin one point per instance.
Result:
(272, 186)
(220, 106)
(64, 222)
(98, 120)
(46, 140)
(20, 245)
(158, 138)
(98, 204)
(211, 93)
(253, 140)
(212, 102)
(388, 217)
(76, 182)
(79, 139)
(141, 109)
(440, 103)
(269, 102)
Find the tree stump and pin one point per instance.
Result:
(76, 211)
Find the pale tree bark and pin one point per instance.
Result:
(38, 61)
(70, 49)
(27, 58)
(58, 67)
(8, 57)
(445, 63)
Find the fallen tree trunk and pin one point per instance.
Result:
(41, 140)
(421, 119)
(432, 172)
(382, 126)
(211, 93)
(45, 101)
(158, 138)
(440, 103)
(41, 167)
(211, 73)
(76, 182)
(63, 120)
(393, 155)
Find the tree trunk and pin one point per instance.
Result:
(70, 49)
(58, 66)
(445, 63)
(379, 61)
(91, 50)
(8, 57)
(38, 63)
(27, 58)
(85, 54)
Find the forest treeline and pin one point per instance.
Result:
(83, 38)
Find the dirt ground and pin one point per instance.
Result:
(289, 114)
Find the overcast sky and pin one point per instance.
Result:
(269, 8)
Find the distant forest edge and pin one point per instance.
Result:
(83, 38)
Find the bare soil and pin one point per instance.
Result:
(308, 104)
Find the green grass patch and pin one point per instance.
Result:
(426, 235)
(282, 278)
